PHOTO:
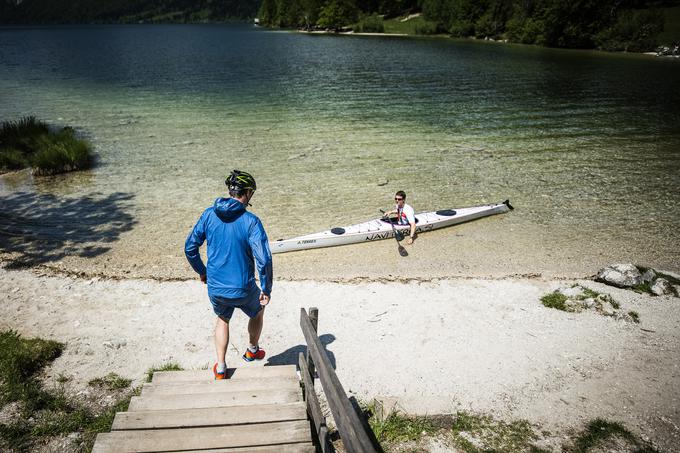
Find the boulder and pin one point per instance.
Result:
(571, 291)
(620, 275)
(662, 287)
(648, 276)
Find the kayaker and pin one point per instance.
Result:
(235, 238)
(405, 214)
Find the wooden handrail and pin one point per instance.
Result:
(349, 425)
(314, 408)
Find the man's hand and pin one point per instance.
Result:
(204, 278)
(409, 241)
(264, 299)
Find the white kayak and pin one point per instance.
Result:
(378, 229)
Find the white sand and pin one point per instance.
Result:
(439, 346)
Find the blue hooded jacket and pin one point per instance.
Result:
(235, 236)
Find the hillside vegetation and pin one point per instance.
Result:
(619, 25)
(124, 11)
(629, 25)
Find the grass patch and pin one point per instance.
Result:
(44, 412)
(472, 433)
(20, 360)
(587, 292)
(111, 381)
(481, 433)
(635, 316)
(642, 288)
(370, 24)
(398, 427)
(415, 26)
(555, 300)
(31, 143)
(170, 366)
(599, 433)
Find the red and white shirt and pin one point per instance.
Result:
(406, 215)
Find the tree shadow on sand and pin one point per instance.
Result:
(290, 355)
(41, 228)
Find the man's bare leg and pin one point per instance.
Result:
(255, 328)
(221, 339)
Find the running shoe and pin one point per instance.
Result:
(219, 376)
(257, 355)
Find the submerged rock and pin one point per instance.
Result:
(620, 275)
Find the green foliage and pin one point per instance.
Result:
(633, 31)
(170, 366)
(111, 381)
(525, 30)
(494, 435)
(44, 412)
(398, 427)
(117, 11)
(605, 24)
(56, 153)
(29, 142)
(555, 300)
(587, 292)
(635, 316)
(370, 24)
(20, 360)
(337, 13)
(414, 26)
(13, 159)
(19, 134)
(426, 28)
(598, 432)
(671, 28)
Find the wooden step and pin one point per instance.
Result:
(283, 448)
(247, 372)
(220, 416)
(227, 385)
(162, 440)
(222, 399)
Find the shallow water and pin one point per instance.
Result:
(585, 144)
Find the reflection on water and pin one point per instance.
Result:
(585, 144)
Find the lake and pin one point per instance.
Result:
(585, 144)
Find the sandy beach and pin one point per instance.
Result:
(434, 347)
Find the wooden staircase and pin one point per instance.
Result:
(258, 409)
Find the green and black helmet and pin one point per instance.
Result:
(240, 181)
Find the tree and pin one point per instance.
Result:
(268, 12)
(337, 13)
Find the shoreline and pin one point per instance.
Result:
(486, 346)
(484, 40)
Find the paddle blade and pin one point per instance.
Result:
(402, 251)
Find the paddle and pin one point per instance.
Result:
(402, 250)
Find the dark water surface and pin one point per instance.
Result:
(586, 145)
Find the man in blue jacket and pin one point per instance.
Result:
(235, 238)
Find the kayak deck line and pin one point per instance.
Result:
(378, 229)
